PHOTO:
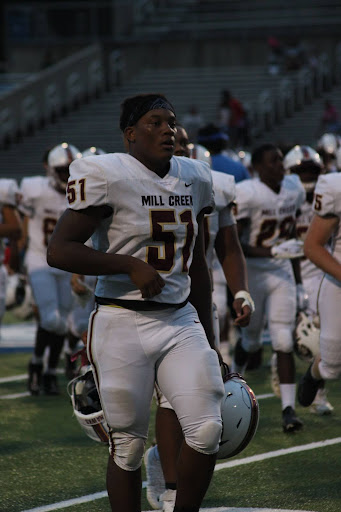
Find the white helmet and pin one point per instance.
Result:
(93, 151)
(19, 297)
(240, 415)
(338, 159)
(245, 158)
(87, 407)
(199, 152)
(328, 143)
(306, 337)
(304, 158)
(58, 161)
(232, 154)
(299, 155)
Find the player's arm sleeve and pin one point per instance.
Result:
(226, 216)
(243, 200)
(324, 203)
(29, 190)
(9, 192)
(207, 193)
(87, 185)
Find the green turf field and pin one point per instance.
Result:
(46, 458)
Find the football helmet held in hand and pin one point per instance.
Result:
(87, 407)
(240, 415)
(306, 337)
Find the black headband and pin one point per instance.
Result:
(144, 107)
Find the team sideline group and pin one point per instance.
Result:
(152, 258)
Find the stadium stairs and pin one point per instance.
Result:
(96, 123)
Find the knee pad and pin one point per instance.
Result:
(282, 340)
(126, 450)
(250, 344)
(205, 439)
(329, 372)
(54, 323)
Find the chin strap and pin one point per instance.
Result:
(243, 294)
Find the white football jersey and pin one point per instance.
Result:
(153, 219)
(224, 195)
(271, 216)
(327, 201)
(308, 269)
(43, 205)
(8, 197)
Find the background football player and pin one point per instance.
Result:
(307, 164)
(42, 202)
(220, 234)
(10, 232)
(325, 224)
(266, 218)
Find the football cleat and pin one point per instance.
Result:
(291, 422)
(34, 383)
(320, 405)
(155, 479)
(240, 415)
(168, 498)
(308, 388)
(50, 384)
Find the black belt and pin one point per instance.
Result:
(139, 305)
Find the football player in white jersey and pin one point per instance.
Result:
(325, 224)
(266, 217)
(220, 234)
(307, 164)
(42, 202)
(10, 229)
(144, 212)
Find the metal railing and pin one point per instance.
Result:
(50, 93)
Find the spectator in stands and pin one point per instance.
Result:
(294, 55)
(233, 119)
(275, 55)
(216, 141)
(192, 122)
(330, 121)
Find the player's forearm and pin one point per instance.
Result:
(201, 297)
(323, 259)
(78, 258)
(256, 252)
(234, 267)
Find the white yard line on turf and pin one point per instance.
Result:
(14, 378)
(234, 463)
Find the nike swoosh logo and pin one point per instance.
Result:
(188, 184)
(197, 321)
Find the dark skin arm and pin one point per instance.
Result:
(201, 287)
(251, 252)
(66, 250)
(231, 257)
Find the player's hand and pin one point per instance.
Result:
(302, 298)
(243, 314)
(77, 284)
(289, 249)
(146, 278)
